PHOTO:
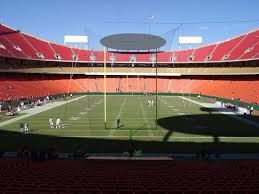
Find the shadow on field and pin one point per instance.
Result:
(10, 141)
(213, 125)
(209, 110)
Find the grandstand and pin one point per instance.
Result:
(236, 56)
(124, 176)
(16, 44)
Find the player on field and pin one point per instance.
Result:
(51, 124)
(118, 122)
(58, 121)
(26, 128)
(251, 110)
(21, 127)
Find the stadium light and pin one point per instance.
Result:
(76, 39)
(190, 39)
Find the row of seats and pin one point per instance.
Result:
(129, 176)
(16, 86)
(140, 70)
(17, 44)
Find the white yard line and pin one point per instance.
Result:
(89, 109)
(169, 107)
(80, 125)
(144, 114)
(38, 110)
(118, 115)
(220, 138)
(229, 113)
(131, 118)
(212, 138)
(185, 139)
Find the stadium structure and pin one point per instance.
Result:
(206, 107)
(205, 69)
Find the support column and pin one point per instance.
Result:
(156, 92)
(104, 92)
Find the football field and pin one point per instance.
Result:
(183, 125)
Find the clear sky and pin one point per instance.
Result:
(52, 19)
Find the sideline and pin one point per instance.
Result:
(229, 112)
(37, 110)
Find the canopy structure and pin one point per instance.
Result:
(133, 41)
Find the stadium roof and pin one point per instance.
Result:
(133, 41)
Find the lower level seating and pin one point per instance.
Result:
(129, 176)
(18, 86)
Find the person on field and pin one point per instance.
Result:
(58, 121)
(51, 124)
(251, 110)
(118, 122)
(26, 128)
(21, 127)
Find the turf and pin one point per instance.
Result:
(182, 126)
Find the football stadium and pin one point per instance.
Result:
(115, 102)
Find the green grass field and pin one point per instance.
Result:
(182, 127)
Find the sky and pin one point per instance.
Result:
(214, 20)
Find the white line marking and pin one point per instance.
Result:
(118, 115)
(229, 113)
(144, 114)
(74, 118)
(37, 110)
(82, 113)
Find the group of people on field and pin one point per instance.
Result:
(24, 127)
(150, 102)
(57, 124)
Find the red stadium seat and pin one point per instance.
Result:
(232, 49)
